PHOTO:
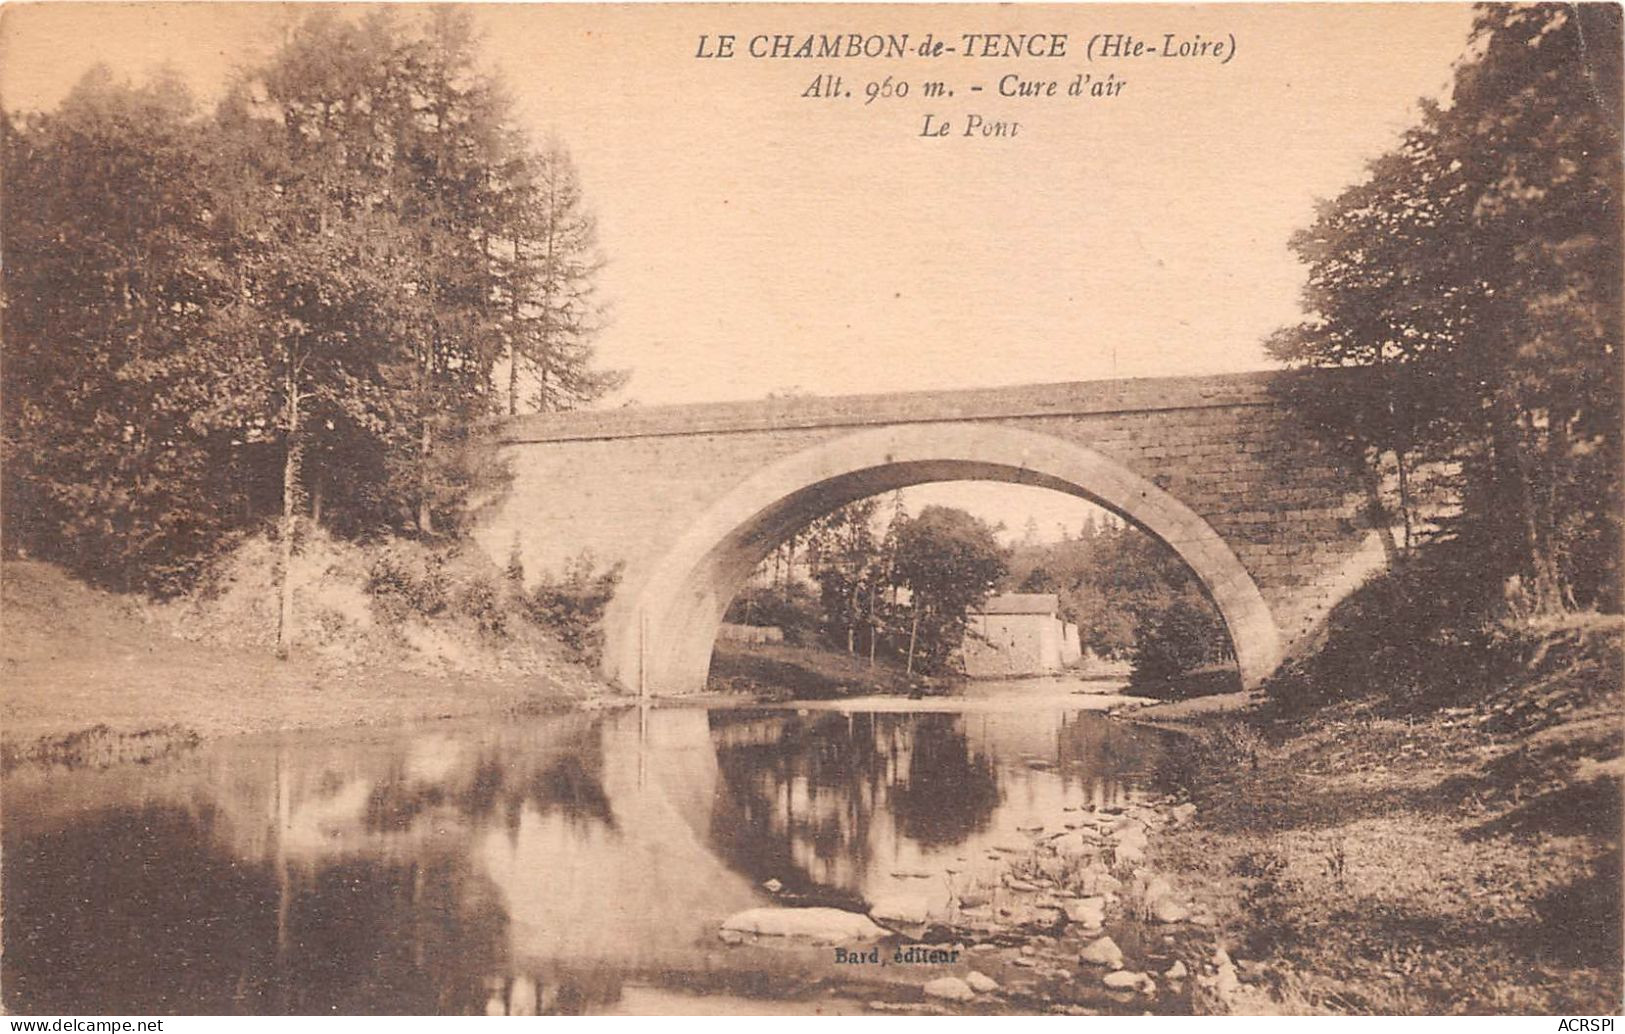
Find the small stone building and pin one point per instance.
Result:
(1019, 634)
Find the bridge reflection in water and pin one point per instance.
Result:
(531, 866)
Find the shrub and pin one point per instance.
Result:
(480, 599)
(1173, 642)
(572, 607)
(790, 608)
(1426, 632)
(406, 580)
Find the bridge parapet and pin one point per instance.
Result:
(1075, 398)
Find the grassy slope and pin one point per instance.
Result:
(806, 672)
(1462, 861)
(75, 658)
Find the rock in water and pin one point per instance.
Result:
(1130, 846)
(819, 925)
(1071, 845)
(1103, 952)
(1167, 910)
(981, 983)
(1087, 911)
(952, 989)
(909, 911)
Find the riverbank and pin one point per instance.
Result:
(781, 671)
(1372, 859)
(1069, 916)
(96, 678)
(1361, 858)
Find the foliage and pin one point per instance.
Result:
(900, 595)
(1177, 640)
(1129, 595)
(118, 439)
(1471, 284)
(572, 605)
(552, 314)
(850, 569)
(1426, 632)
(790, 608)
(948, 561)
(297, 305)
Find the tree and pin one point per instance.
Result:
(292, 307)
(550, 285)
(1472, 282)
(118, 439)
(315, 237)
(845, 559)
(948, 561)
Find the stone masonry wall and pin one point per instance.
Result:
(624, 484)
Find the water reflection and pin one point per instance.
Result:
(534, 867)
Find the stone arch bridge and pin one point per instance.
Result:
(691, 498)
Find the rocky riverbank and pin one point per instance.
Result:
(1370, 856)
(1074, 919)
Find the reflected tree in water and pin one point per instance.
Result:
(950, 791)
(566, 779)
(154, 918)
(414, 938)
(803, 792)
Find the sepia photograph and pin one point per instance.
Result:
(756, 509)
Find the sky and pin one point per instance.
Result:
(759, 241)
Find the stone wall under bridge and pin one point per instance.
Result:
(691, 498)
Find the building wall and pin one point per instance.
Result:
(1013, 644)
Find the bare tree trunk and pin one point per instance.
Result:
(513, 344)
(1536, 554)
(873, 627)
(1558, 446)
(789, 567)
(1373, 489)
(513, 379)
(1404, 493)
(913, 635)
(290, 519)
(425, 513)
(316, 492)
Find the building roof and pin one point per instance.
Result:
(1021, 603)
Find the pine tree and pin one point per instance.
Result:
(553, 310)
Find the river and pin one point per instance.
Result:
(573, 863)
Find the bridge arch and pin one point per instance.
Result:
(660, 628)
